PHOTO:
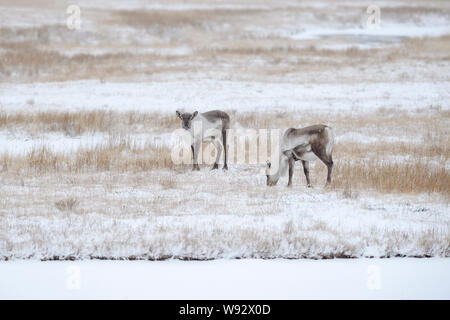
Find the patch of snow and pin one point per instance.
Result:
(209, 94)
(20, 144)
(367, 35)
(228, 279)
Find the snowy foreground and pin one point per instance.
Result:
(228, 279)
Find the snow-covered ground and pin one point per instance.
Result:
(206, 94)
(211, 215)
(228, 279)
(260, 58)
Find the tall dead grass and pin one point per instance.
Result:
(28, 60)
(67, 204)
(438, 149)
(417, 176)
(122, 155)
(35, 61)
(81, 122)
(180, 18)
(119, 155)
(383, 166)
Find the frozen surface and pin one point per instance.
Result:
(228, 279)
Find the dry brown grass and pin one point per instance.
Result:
(69, 204)
(408, 13)
(392, 177)
(118, 154)
(156, 19)
(437, 149)
(384, 166)
(278, 49)
(80, 122)
(167, 182)
(31, 61)
(38, 62)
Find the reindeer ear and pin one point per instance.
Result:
(194, 115)
(178, 114)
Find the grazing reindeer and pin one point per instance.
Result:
(305, 144)
(214, 124)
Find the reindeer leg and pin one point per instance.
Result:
(224, 140)
(327, 159)
(330, 169)
(219, 153)
(291, 170)
(196, 150)
(306, 171)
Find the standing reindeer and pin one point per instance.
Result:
(214, 124)
(305, 144)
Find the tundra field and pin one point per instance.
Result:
(86, 118)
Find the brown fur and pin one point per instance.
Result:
(211, 116)
(317, 144)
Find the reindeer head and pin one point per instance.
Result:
(186, 118)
